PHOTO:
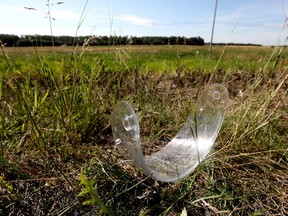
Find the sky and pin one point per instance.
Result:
(237, 21)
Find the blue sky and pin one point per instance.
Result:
(237, 21)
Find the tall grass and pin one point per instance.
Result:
(55, 121)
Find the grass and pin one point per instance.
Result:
(56, 141)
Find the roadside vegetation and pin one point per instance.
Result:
(57, 155)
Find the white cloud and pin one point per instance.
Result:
(135, 20)
(12, 9)
(64, 14)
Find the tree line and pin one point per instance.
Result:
(47, 40)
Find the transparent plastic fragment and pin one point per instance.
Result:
(187, 149)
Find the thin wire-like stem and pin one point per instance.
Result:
(50, 23)
(212, 34)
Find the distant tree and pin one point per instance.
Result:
(46, 40)
(9, 40)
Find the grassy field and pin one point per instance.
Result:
(57, 155)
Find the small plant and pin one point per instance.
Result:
(89, 189)
(5, 184)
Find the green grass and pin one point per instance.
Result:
(55, 109)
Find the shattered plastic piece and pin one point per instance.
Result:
(187, 149)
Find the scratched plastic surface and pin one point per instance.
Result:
(187, 149)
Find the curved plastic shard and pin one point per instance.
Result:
(187, 149)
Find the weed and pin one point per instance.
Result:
(88, 189)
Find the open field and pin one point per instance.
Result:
(56, 141)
